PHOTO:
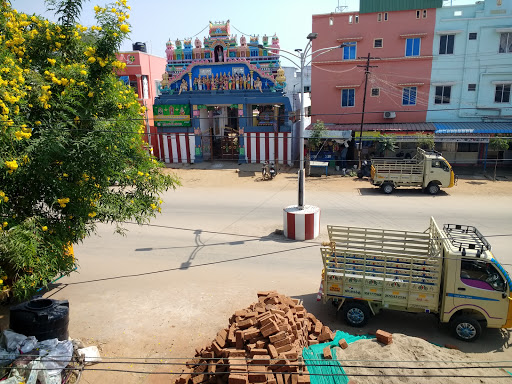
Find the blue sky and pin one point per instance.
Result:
(155, 21)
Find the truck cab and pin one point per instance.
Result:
(476, 286)
(437, 172)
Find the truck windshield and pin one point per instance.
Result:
(481, 274)
(441, 164)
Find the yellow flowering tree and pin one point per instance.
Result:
(71, 148)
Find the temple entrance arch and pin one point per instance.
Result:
(219, 54)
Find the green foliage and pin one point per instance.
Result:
(425, 142)
(499, 143)
(71, 148)
(316, 139)
(387, 143)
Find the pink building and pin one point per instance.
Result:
(143, 72)
(398, 87)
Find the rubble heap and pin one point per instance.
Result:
(263, 344)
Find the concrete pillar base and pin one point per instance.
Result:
(301, 224)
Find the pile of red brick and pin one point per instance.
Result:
(263, 344)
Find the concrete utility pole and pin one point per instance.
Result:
(366, 73)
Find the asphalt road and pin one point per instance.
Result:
(168, 287)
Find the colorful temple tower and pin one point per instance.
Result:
(223, 99)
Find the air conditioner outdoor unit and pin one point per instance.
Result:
(389, 115)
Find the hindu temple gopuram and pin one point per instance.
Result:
(222, 99)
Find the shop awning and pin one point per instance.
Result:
(389, 127)
(475, 128)
(330, 134)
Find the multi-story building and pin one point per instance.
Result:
(438, 70)
(143, 73)
(395, 38)
(471, 78)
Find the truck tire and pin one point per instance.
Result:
(387, 188)
(465, 328)
(356, 314)
(433, 188)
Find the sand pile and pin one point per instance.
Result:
(407, 352)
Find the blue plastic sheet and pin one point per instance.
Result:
(328, 371)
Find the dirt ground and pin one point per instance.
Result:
(250, 174)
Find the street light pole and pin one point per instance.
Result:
(302, 173)
(302, 55)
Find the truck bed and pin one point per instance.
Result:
(399, 171)
(393, 268)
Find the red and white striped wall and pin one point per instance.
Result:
(301, 224)
(268, 146)
(178, 147)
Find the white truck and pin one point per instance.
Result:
(427, 170)
(449, 272)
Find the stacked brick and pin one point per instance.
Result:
(263, 344)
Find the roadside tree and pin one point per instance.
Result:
(71, 147)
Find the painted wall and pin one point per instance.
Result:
(139, 64)
(331, 73)
(475, 62)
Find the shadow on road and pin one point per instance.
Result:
(421, 325)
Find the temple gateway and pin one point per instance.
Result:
(222, 99)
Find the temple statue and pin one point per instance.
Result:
(183, 86)
(257, 84)
(275, 44)
(169, 51)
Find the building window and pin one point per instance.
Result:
(331, 21)
(471, 87)
(418, 14)
(145, 87)
(482, 275)
(348, 97)
(357, 19)
(375, 92)
(446, 44)
(349, 50)
(502, 94)
(350, 19)
(158, 86)
(473, 35)
(443, 93)
(424, 13)
(307, 88)
(409, 96)
(386, 16)
(467, 147)
(377, 43)
(412, 46)
(379, 17)
(506, 43)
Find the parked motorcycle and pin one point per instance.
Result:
(269, 171)
(366, 169)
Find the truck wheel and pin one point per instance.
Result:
(466, 328)
(356, 314)
(387, 188)
(433, 189)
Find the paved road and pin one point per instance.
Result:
(164, 289)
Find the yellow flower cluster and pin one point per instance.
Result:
(3, 197)
(12, 165)
(62, 202)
